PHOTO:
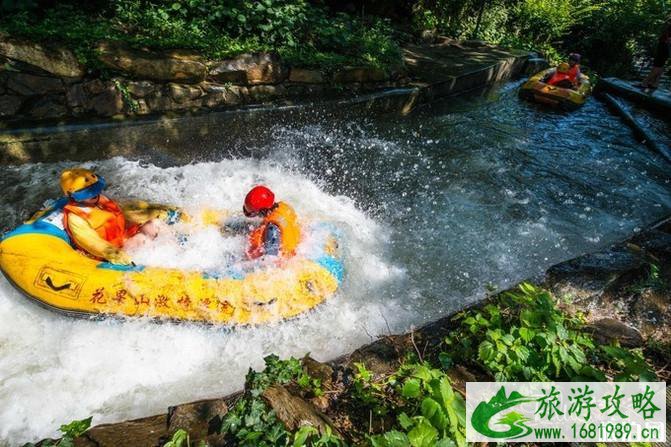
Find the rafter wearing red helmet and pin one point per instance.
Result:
(279, 232)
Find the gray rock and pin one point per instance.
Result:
(607, 330)
(201, 419)
(223, 98)
(108, 103)
(170, 66)
(140, 89)
(305, 76)
(266, 92)
(48, 107)
(360, 74)
(31, 85)
(57, 61)
(76, 96)
(295, 412)
(10, 105)
(145, 432)
(96, 86)
(250, 69)
(318, 370)
(183, 93)
(142, 107)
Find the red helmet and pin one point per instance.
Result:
(258, 199)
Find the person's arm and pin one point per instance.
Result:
(87, 238)
(271, 240)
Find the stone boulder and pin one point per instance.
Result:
(30, 85)
(145, 432)
(183, 93)
(295, 412)
(140, 89)
(220, 95)
(360, 74)
(10, 105)
(606, 330)
(201, 419)
(57, 61)
(109, 102)
(305, 76)
(250, 69)
(52, 106)
(166, 66)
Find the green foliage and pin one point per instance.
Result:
(524, 336)
(179, 439)
(251, 423)
(128, 99)
(70, 432)
(428, 411)
(610, 34)
(368, 391)
(302, 32)
(309, 436)
(617, 31)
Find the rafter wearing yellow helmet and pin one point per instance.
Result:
(95, 223)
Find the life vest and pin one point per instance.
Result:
(105, 217)
(571, 75)
(284, 217)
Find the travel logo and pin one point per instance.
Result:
(566, 411)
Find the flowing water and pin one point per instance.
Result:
(434, 207)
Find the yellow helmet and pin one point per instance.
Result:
(81, 184)
(563, 67)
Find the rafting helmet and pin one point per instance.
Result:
(574, 57)
(258, 199)
(563, 68)
(81, 184)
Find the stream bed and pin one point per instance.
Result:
(435, 207)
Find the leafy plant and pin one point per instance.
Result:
(70, 431)
(251, 423)
(524, 336)
(429, 414)
(309, 436)
(367, 391)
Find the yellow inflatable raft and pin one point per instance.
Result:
(38, 259)
(566, 98)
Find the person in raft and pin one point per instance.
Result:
(661, 56)
(95, 223)
(567, 75)
(279, 232)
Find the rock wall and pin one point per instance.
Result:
(39, 83)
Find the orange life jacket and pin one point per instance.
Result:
(571, 75)
(105, 217)
(284, 217)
